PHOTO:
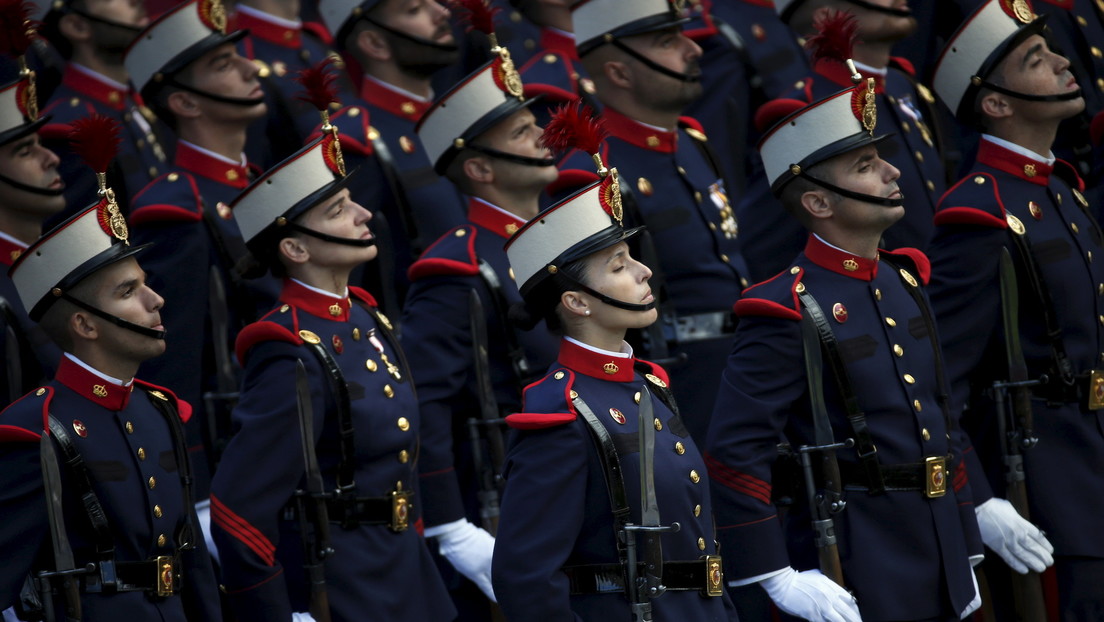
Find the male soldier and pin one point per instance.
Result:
(92, 36)
(186, 67)
(502, 166)
(646, 71)
(842, 345)
(118, 519)
(1038, 319)
(553, 70)
(398, 51)
(32, 192)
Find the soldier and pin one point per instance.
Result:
(116, 537)
(646, 71)
(187, 68)
(599, 445)
(504, 168)
(358, 511)
(890, 501)
(92, 36)
(1036, 323)
(553, 71)
(32, 192)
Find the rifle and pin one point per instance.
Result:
(1015, 428)
(312, 505)
(226, 383)
(489, 420)
(64, 566)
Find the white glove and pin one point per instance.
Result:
(811, 596)
(469, 549)
(1019, 543)
(203, 514)
(301, 616)
(975, 604)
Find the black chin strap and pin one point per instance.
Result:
(512, 157)
(851, 194)
(118, 321)
(105, 21)
(333, 238)
(46, 192)
(654, 66)
(445, 47)
(1030, 98)
(236, 101)
(881, 9)
(613, 302)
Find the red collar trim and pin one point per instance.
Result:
(272, 32)
(837, 73)
(552, 40)
(1015, 164)
(10, 251)
(840, 262)
(392, 101)
(318, 305)
(195, 161)
(638, 134)
(90, 386)
(595, 365)
(763, 3)
(1062, 4)
(499, 223)
(90, 86)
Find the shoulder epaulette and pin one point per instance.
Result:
(984, 205)
(655, 370)
(693, 127)
(318, 31)
(362, 295)
(904, 64)
(775, 297)
(1068, 173)
(550, 92)
(17, 434)
(452, 254)
(917, 258)
(549, 399)
(172, 197)
(265, 330)
(353, 124)
(183, 408)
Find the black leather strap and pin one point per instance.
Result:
(610, 578)
(518, 362)
(78, 470)
(346, 467)
(614, 476)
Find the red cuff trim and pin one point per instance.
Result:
(240, 528)
(961, 478)
(740, 482)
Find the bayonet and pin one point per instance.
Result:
(219, 402)
(313, 502)
(65, 570)
(489, 420)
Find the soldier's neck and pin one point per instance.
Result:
(628, 105)
(558, 17)
(91, 354)
(109, 66)
(325, 278)
(859, 243)
(873, 54)
(392, 74)
(596, 335)
(228, 142)
(1034, 136)
(19, 226)
(523, 204)
(284, 9)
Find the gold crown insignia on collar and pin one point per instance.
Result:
(611, 368)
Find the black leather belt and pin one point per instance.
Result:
(929, 477)
(160, 576)
(703, 575)
(392, 510)
(1085, 389)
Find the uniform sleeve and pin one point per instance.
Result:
(259, 473)
(543, 508)
(22, 503)
(762, 382)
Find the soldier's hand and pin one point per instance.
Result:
(301, 616)
(1019, 543)
(812, 596)
(469, 549)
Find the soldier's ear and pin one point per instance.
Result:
(372, 44)
(816, 203)
(994, 105)
(574, 304)
(294, 249)
(183, 105)
(617, 73)
(75, 28)
(479, 170)
(82, 326)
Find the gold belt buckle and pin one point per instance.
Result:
(935, 471)
(400, 508)
(166, 575)
(714, 575)
(1096, 390)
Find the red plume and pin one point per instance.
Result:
(574, 125)
(476, 14)
(319, 88)
(96, 140)
(836, 36)
(16, 27)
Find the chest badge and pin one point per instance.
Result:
(1035, 209)
(1015, 224)
(839, 312)
(80, 428)
(338, 344)
(617, 415)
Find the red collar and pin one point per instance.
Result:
(89, 86)
(1015, 164)
(314, 303)
(1062, 4)
(764, 3)
(638, 134)
(10, 251)
(839, 261)
(392, 101)
(552, 40)
(837, 72)
(590, 363)
(90, 386)
(195, 161)
(497, 222)
(272, 32)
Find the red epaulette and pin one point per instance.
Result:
(265, 330)
(182, 204)
(362, 295)
(542, 420)
(656, 371)
(775, 297)
(690, 123)
(318, 30)
(429, 265)
(16, 434)
(183, 408)
(1068, 173)
(550, 92)
(918, 259)
(353, 125)
(904, 64)
(987, 211)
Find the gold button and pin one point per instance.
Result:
(388, 391)
(161, 540)
(356, 334)
(636, 398)
(574, 394)
(152, 482)
(891, 321)
(979, 180)
(1101, 318)
(924, 434)
(404, 456)
(701, 544)
(909, 379)
(1082, 22)
(681, 171)
(680, 448)
(371, 365)
(42, 391)
(697, 197)
(460, 233)
(919, 156)
(712, 226)
(917, 406)
(905, 126)
(404, 424)
(549, 58)
(285, 308)
(1058, 197)
(1096, 51)
(1075, 228)
(694, 477)
(697, 510)
(877, 293)
(1100, 83)
(141, 454)
(658, 424)
(129, 427)
(931, 185)
(898, 350)
(795, 270)
(1100, 289)
(724, 258)
(558, 375)
(1089, 255)
(157, 511)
